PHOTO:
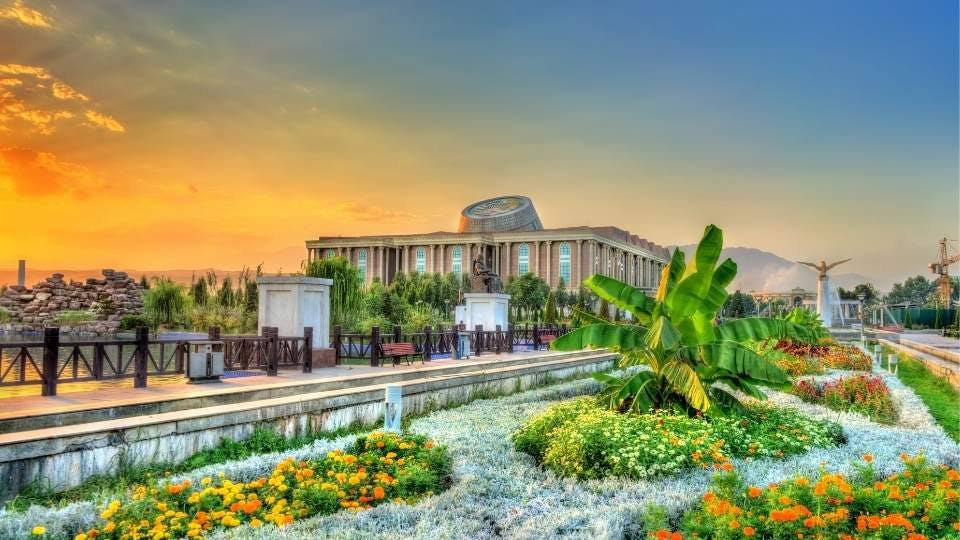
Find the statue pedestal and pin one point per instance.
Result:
(488, 309)
(292, 302)
(824, 309)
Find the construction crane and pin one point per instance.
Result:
(941, 267)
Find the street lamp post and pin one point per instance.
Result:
(861, 297)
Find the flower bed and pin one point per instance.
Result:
(499, 492)
(804, 359)
(919, 503)
(867, 395)
(580, 438)
(378, 468)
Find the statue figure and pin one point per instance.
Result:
(824, 309)
(484, 279)
(823, 266)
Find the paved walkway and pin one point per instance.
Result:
(23, 406)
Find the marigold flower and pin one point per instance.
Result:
(749, 531)
(39, 530)
(754, 492)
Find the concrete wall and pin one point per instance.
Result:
(66, 456)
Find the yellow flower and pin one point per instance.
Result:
(39, 530)
(255, 523)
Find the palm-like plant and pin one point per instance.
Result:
(675, 335)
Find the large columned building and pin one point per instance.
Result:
(507, 232)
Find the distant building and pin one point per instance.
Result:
(508, 233)
(796, 297)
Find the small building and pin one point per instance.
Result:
(507, 233)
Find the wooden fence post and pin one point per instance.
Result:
(498, 339)
(307, 349)
(509, 338)
(397, 333)
(213, 333)
(179, 356)
(427, 343)
(51, 346)
(455, 342)
(536, 337)
(337, 331)
(478, 338)
(375, 346)
(140, 357)
(273, 349)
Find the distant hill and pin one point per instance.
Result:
(34, 275)
(760, 270)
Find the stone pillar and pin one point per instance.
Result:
(577, 268)
(509, 264)
(535, 264)
(549, 254)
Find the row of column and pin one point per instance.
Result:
(384, 262)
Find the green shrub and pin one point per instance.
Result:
(74, 317)
(130, 322)
(5, 315)
(533, 438)
(582, 439)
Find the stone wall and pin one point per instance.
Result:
(107, 300)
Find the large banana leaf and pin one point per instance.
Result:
(724, 402)
(662, 335)
(589, 317)
(722, 276)
(743, 361)
(671, 274)
(759, 329)
(601, 335)
(686, 382)
(623, 296)
(687, 297)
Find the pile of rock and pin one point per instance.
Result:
(107, 300)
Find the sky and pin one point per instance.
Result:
(176, 134)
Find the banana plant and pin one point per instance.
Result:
(675, 334)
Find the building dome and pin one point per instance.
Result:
(500, 214)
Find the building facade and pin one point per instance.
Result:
(507, 233)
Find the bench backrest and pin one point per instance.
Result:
(398, 349)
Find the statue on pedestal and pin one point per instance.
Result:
(823, 289)
(484, 280)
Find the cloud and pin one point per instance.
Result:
(10, 82)
(35, 173)
(104, 121)
(62, 90)
(19, 12)
(42, 120)
(20, 69)
(365, 212)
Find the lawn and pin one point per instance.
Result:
(937, 393)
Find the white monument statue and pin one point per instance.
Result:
(824, 309)
(486, 304)
(293, 302)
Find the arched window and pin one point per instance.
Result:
(362, 263)
(523, 259)
(421, 260)
(565, 262)
(457, 260)
(329, 254)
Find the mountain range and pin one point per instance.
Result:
(758, 271)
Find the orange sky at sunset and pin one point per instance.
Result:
(177, 135)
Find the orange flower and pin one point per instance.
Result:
(749, 531)
(868, 457)
(378, 493)
(754, 492)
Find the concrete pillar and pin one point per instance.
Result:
(535, 263)
(549, 254)
(509, 263)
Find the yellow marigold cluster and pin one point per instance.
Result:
(373, 470)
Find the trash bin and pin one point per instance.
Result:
(206, 361)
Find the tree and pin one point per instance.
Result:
(550, 310)
(603, 312)
(871, 294)
(199, 292)
(674, 334)
(346, 293)
(144, 284)
(166, 303)
(917, 290)
(528, 292)
(739, 305)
